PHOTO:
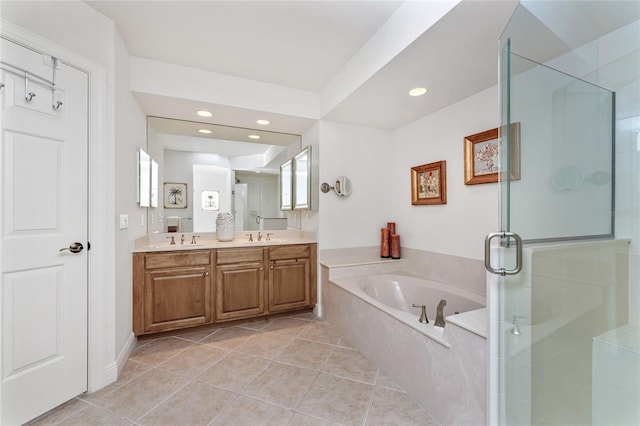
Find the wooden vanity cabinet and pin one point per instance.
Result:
(180, 289)
(171, 290)
(292, 277)
(240, 283)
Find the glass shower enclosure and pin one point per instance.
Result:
(566, 330)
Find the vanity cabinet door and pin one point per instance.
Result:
(240, 290)
(176, 298)
(289, 284)
(292, 277)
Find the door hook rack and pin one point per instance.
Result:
(27, 75)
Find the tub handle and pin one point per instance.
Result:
(505, 237)
(423, 315)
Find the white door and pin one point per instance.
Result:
(43, 210)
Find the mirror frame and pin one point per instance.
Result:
(286, 185)
(302, 179)
(144, 178)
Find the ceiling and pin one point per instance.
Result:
(300, 44)
(304, 44)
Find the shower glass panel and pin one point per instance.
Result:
(566, 129)
(568, 331)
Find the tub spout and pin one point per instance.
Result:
(440, 313)
(423, 315)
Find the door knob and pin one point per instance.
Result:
(74, 248)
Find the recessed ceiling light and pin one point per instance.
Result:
(258, 171)
(205, 131)
(417, 91)
(263, 122)
(254, 137)
(203, 113)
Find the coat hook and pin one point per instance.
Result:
(27, 94)
(1, 86)
(57, 105)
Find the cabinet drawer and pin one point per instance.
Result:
(289, 252)
(172, 260)
(229, 256)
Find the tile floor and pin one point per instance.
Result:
(294, 370)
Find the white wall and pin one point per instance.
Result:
(362, 155)
(130, 134)
(459, 227)
(379, 165)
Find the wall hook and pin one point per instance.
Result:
(1, 86)
(57, 105)
(27, 94)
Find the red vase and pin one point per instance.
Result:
(384, 243)
(392, 227)
(395, 246)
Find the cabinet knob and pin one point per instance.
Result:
(206, 274)
(262, 268)
(271, 266)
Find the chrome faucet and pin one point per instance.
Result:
(250, 237)
(259, 236)
(182, 239)
(173, 242)
(193, 239)
(269, 234)
(423, 315)
(440, 314)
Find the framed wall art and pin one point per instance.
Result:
(429, 184)
(210, 200)
(482, 156)
(175, 195)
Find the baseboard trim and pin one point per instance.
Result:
(114, 369)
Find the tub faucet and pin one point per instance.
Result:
(440, 314)
(423, 315)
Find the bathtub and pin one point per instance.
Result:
(443, 369)
(396, 294)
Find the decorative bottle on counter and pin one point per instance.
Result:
(225, 227)
(392, 227)
(395, 246)
(384, 243)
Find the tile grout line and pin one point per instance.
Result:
(164, 400)
(366, 416)
(286, 339)
(314, 382)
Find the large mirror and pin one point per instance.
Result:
(212, 168)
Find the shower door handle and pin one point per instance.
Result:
(487, 253)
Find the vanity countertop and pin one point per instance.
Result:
(207, 240)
